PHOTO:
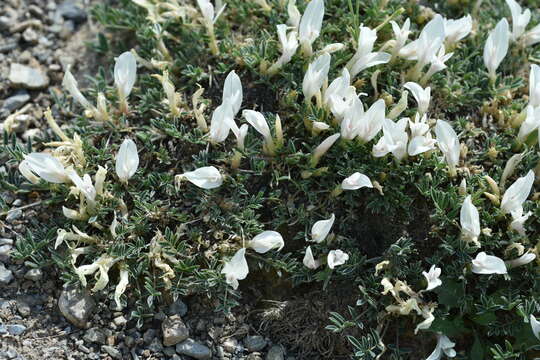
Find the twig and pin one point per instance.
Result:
(21, 208)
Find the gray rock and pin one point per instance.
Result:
(16, 329)
(155, 346)
(33, 274)
(6, 241)
(230, 345)
(95, 335)
(13, 215)
(76, 305)
(174, 330)
(149, 335)
(5, 275)
(70, 11)
(31, 133)
(5, 251)
(112, 351)
(27, 77)
(177, 308)
(194, 349)
(14, 102)
(254, 343)
(275, 353)
(169, 351)
(23, 308)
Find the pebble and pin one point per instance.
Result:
(155, 346)
(27, 77)
(33, 275)
(112, 351)
(254, 343)
(70, 11)
(194, 349)
(120, 320)
(177, 308)
(23, 308)
(76, 306)
(230, 345)
(5, 251)
(174, 330)
(275, 353)
(16, 329)
(13, 215)
(6, 241)
(95, 335)
(14, 102)
(5, 275)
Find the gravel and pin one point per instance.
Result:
(174, 330)
(194, 349)
(254, 343)
(76, 305)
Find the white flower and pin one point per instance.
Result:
(206, 177)
(315, 76)
(289, 44)
(125, 74)
(535, 326)
(257, 120)
(310, 25)
(236, 268)
(421, 95)
(421, 144)
(432, 277)
(353, 114)
(323, 147)
(532, 36)
(470, 221)
(444, 346)
(356, 181)
(520, 19)
(309, 261)
(520, 261)
(294, 14)
(531, 123)
(419, 126)
(518, 220)
(208, 12)
(455, 30)
(401, 34)
(84, 185)
(46, 167)
(496, 47)
(438, 63)
(320, 230)
(336, 258)
(534, 86)
(364, 57)
(517, 193)
(26, 171)
(448, 143)
(428, 43)
(266, 241)
(222, 123)
(340, 94)
(242, 133)
(70, 84)
(488, 264)
(369, 123)
(127, 160)
(394, 140)
(232, 92)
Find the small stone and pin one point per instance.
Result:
(174, 330)
(5, 275)
(178, 308)
(149, 335)
(76, 306)
(95, 335)
(31, 133)
(155, 346)
(14, 102)
(27, 77)
(275, 353)
(254, 343)
(16, 329)
(169, 350)
(194, 349)
(33, 275)
(120, 320)
(5, 251)
(13, 215)
(112, 351)
(254, 356)
(230, 345)
(6, 241)
(30, 36)
(23, 308)
(68, 10)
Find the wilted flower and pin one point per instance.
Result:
(531, 123)
(444, 346)
(103, 264)
(26, 171)
(70, 84)
(125, 74)
(364, 57)
(518, 220)
(520, 261)
(294, 14)
(534, 86)
(242, 136)
(356, 181)
(421, 95)
(206, 177)
(46, 167)
(332, 48)
(266, 241)
(535, 326)
(127, 160)
(517, 193)
(394, 140)
(323, 148)
(496, 47)
(289, 44)
(121, 286)
(309, 261)
(509, 168)
(455, 30)
(84, 185)
(432, 277)
(532, 36)
(232, 92)
(236, 268)
(320, 230)
(336, 258)
(448, 143)
(520, 19)
(170, 92)
(470, 222)
(315, 76)
(488, 264)
(310, 25)
(257, 120)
